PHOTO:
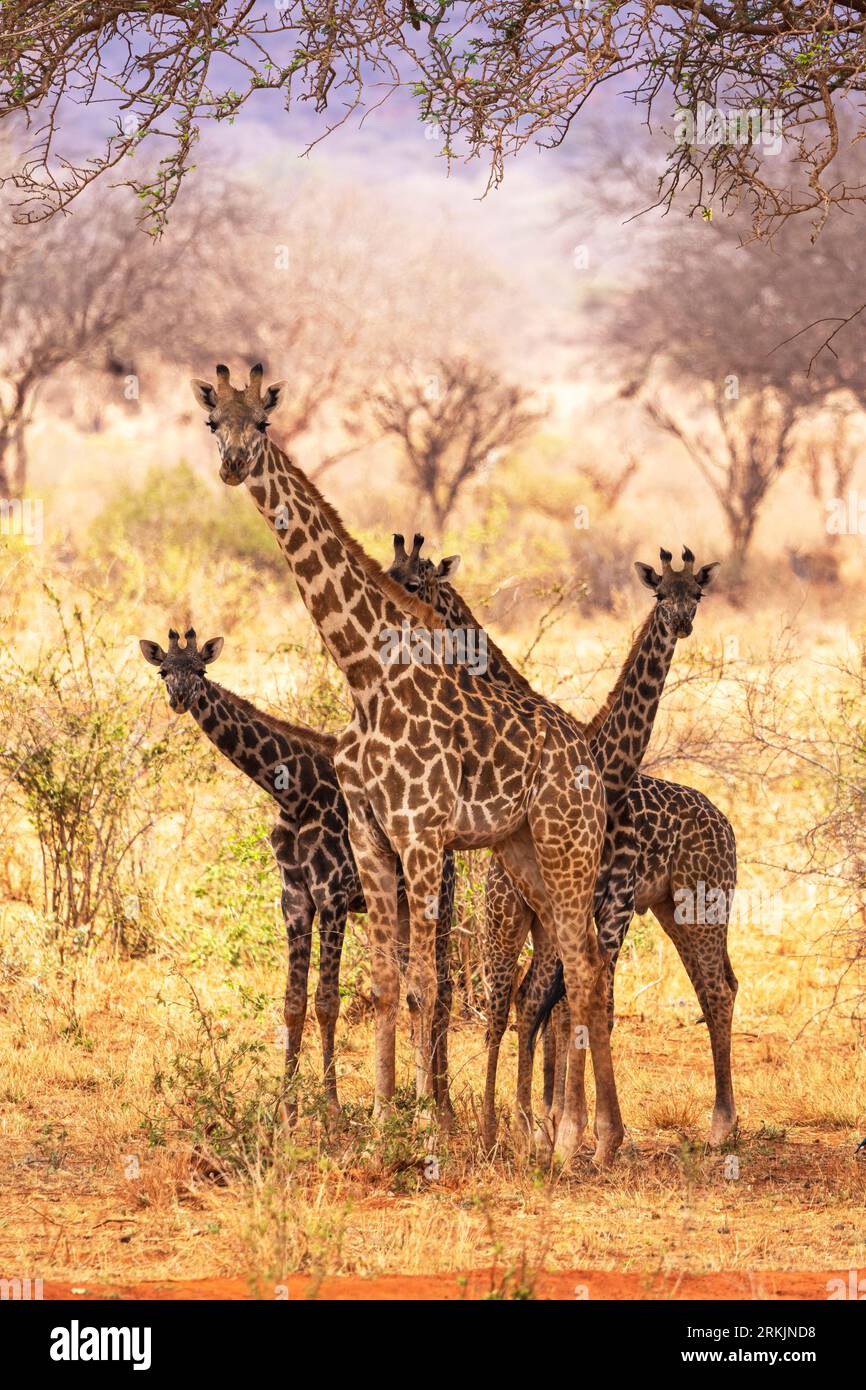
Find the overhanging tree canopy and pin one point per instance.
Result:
(492, 74)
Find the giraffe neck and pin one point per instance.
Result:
(271, 752)
(353, 603)
(620, 730)
(456, 613)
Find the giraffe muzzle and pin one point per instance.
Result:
(234, 471)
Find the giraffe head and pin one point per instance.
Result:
(181, 667)
(420, 577)
(239, 417)
(678, 592)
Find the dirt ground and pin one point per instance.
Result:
(478, 1284)
(672, 1219)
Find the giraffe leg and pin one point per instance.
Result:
(507, 921)
(613, 918)
(529, 996)
(442, 1010)
(560, 1028)
(377, 871)
(614, 911)
(555, 1041)
(548, 1070)
(703, 950)
(569, 862)
(298, 911)
(534, 857)
(332, 931)
(422, 869)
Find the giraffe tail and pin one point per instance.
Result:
(555, 992)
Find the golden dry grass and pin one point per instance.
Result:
(87, 1196)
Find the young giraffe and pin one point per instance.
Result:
(433, 759)
(662, 845)
(310, 841)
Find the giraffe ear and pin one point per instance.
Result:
(210, 650)
(705, 574)
(204, 393)
(448, 567)
(647, 575)
(273, 396)
(152, 652)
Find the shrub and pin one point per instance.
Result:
(84, 766)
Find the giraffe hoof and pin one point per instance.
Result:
(489, 1135)
(523, 1142)
(543, 1139)
(567, 1142)
(606, 1146)
(604, 1155)
(724, 1125)
(382, 1111)
(288, 1116)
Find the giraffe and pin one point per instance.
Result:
(668, 848)
(310, 842)
(433, 759)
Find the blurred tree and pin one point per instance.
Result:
(489, 75)
(709, 336)
(450, 422)
(61, 302)
(322, 285)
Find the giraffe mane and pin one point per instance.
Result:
(595, 723)
(468, 616)
(415, 607)
(317, 742)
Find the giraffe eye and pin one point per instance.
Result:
(211, 424)
(262, 426)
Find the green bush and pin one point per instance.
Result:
(174, 516)
(84, 765)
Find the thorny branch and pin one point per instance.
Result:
(492, 75)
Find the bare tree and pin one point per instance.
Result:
(90, 294)
(493, 75)
(288, 277)
(449, 422)
(707, 337)
(835, 452)
(61, 302)
(742, 456)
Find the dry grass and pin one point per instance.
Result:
(99, 1181)
(85, 1197)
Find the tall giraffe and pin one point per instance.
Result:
(433, 759)
(663, 841)
(310, 841)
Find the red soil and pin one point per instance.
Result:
(595, 1284)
